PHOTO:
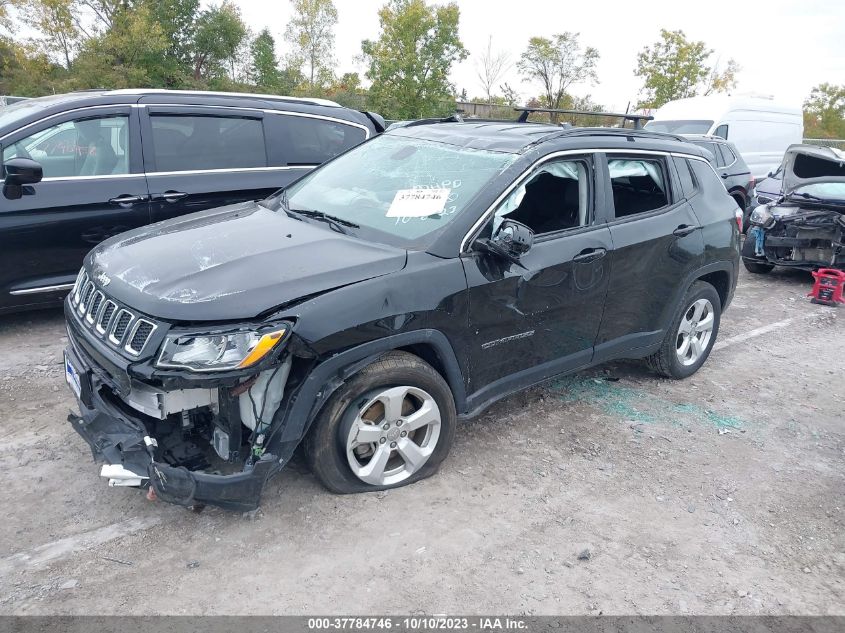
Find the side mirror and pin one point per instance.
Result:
(20, 172)
(514, 238)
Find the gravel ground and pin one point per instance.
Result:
(611, 491)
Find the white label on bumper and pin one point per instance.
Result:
(72, 378)
(120, 476)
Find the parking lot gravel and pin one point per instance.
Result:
(611, 491)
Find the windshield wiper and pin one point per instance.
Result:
(813, 198)
(332, 220)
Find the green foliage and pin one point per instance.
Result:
(556, 64)
(264, 69)
(311, 32)
(177, 21)
(126, 55)
(219, 33)
(54, 20)
(824, 112)
(409, 63)
(26, 72)
(676, 68)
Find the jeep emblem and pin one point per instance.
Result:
(103, 278)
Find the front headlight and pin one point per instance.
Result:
(218, 352)
(762, 216)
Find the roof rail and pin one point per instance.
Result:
(636, 118)
(619, 131)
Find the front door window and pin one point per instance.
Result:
(83, 147)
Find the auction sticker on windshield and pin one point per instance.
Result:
(418, 203)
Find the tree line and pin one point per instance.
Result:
(51, 46)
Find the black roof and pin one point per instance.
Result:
(517, 137)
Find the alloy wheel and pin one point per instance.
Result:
(694, 332)
(392, 434)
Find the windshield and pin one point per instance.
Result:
(403, 190)
(680, 127)
(829, 191)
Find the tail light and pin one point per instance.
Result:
(738, 216)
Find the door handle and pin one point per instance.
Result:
(127, 199)
(685, 229)
(173, 196)
(589, 255)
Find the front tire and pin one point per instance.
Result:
(390, 425)
(692, 334)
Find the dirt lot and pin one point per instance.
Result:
(721, 494)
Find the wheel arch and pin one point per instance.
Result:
(300, 410)
(738, 193)
(721, 275)
(721, 281)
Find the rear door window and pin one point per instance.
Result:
(639, 185)
(201, 142)
(721, 131)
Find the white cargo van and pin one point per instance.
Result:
(760, 128)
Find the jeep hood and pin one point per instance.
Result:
(809, 164)
(231, 263)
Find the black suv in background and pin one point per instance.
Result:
(116, 160)
(411, 281)
(729, 164)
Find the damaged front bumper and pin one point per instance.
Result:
(124, 441)
(805, 241)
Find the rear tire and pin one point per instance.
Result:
(691, 336)
(758, 268)
(389, 425)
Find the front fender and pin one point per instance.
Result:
(292, 421)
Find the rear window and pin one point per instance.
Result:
(195, 142)
(680, 127)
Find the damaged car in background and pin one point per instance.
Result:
(805, 227)
(407, 283)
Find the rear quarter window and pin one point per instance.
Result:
(705, 176)
(313, 141)
(689, 186)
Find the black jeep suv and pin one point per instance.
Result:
(81, 167)
(408, 283)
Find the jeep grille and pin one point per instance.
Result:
(117, 325)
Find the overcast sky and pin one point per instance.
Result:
(784, 47)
